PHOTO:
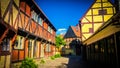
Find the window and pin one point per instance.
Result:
(35, 49)
(30, 44)
(49, 29)
(91, 30)
(34, 15)
(29, 48)
(102, 12)
(19, 43)
(36, 18)
(77, 28)
(48, 48)
(40, 21)
(6, 44)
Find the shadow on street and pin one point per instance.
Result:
(77, 62)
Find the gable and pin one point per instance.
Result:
(70, 33)
(98, 13)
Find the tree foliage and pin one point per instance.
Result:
(59, 41)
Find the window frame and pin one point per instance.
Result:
(6, 51)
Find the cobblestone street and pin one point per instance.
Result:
(56, 63)
(65, 62)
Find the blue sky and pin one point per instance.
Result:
(64, 13)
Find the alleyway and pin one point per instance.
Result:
(66, 62)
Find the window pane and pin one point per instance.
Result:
(19, 43)
(48, 48)
(102, 12)
(6, 45)
(40, 21)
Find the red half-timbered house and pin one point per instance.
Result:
(25, 31)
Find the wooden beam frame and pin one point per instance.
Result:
(4, 35)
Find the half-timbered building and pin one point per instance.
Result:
(103, 46)
(98, 13)
(73, 40)
(25, 31)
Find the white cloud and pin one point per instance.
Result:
(62, 29)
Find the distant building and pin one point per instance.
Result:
(72, 38)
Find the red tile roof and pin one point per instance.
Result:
(76, 30)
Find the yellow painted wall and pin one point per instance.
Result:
(96, 5)
(96, 11)
(8, 61)
(87, 35)
(106, 17)
(96, 26)
(107, 4)
(2, 59)
(4, 4)
(84, 20)
(15, 16)
(89, 18)
(97, 18)
(86, 27)
(89, 12)
(6, 17)
(16, 2)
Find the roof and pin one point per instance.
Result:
(76, 30)
(72, 32)
(38, 10)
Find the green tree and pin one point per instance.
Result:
(59, 41)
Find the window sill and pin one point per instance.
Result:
(3, 53)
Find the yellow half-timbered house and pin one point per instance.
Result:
(98, 13)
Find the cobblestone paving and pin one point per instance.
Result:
(65, 62)
(56, 63)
